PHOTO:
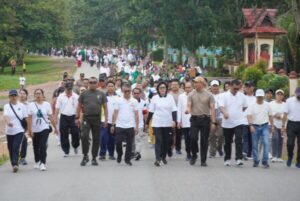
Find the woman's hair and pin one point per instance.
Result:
(162, 83)
(39, 89)
(25, 91)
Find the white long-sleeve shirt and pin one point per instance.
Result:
(183, 118)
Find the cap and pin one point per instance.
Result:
(214, 82)
(297, 91)
(69, 85)
(13, 92)
(102, 76)
(259, 93)
(199, 79)
(279, 91)
(249, 83)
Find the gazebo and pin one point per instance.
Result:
(259, 33)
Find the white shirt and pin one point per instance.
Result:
(260, 112)
(140, 106)
(277, 108)
(22, 80)
(155, 77)
(250, 100)
(217, 98)
(183, 118)
(162, 108)
(292, 108)
(233, 105)
(67, 105)
(21, 111)
(39, 124)
(105, 70)
(111, 105)
(126, 114)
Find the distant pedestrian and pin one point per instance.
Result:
(13, 65)
(22, 81)
(23, 93)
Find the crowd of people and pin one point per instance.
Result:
(132, 101)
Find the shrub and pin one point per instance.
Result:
(240, 71)
(261, 65)
(274, 82)
(157, 55)
(252, 73)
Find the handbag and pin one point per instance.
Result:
(50, 127)
(22, 121)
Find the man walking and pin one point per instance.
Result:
(90, 104)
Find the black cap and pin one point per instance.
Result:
(69, 85)
(13, 92)
(249, 83)
(297, 91)
(102, 77)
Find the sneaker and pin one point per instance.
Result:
(94, 162)
(192, 161)
(255, 164)
(204, 164)
(298, 165)
(178, 152)
(170, 153)
(220, 153)
(23, 161)
(112, 158)
(274, 160)
(15, 169)
(138, 156)
(119, 159)
(84, 161)
(289, 162)
(265, 164)
(128, 163)
(227, 163)
(157, 163)
(279, 160)
(165, 162)
(188, 157)
(239, 163)
(75, 151)
(66, 155)
(43, 167)
(270, 156)
(102, 158)
(212, 155)
(37, 165)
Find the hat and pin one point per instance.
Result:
(279, 91)
(69, 85)
(102, 77)
(13, 92)
(199, 79)
(259, 93)
(297, 91)
(214, 82)
(249, 83)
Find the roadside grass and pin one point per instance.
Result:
(39, 69)
(3, 159)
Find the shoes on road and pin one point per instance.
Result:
(239, 163)
(274, 160)
(298, 165)
(220, 153)
(66, 155)
(192, 161)
(256, 163)
(170, 153)
(94, 162)
(84, 161)
(279, 160)
(227, 163)
(265, 164)
(15, 169)
(119, 159)
(289, 162)
(178, 152)
(37, 165)
(128, 163)
(165, 162)
(204, 164)
(43, 167)
(23, 161)
(138, 156)
(75, 151)
(157, 163)
(112, 158)
(102, 158)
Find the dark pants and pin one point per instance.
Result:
(187, 140)
(66, 126)
(178, 138)
(162, 135)
(228, 135)
(124, 135)
(91, 123)
(277, 142)
(202, 125)
(39, 142)
(24, 147)
(247, 141)
(13, 145)
(107, 141)
(293, 132)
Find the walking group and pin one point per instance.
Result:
(121, 110)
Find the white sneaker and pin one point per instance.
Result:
(270, 156)
(66, 155)
(280, 160)
(239, 162)
(227, 163)
(43, 167)
(274, 160)
(37, 165)
(75, 151)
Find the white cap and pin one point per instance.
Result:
(214, 82)
(259, 93)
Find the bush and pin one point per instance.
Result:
(274, 82)
(261, 65)
(240, 71)
(157, 55)
(253, 74)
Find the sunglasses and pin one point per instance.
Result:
(93, 82)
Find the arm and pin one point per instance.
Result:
(30, 126)
(224, 112)
(114, 118)
(284, 120)
(213, 113)
(250, 121)
(136, 116)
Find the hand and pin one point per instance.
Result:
(55, 131)
(252, 129)
(226, 116)
(278, 116)
(179, 125)
(78, 122)
(173, 124)
(30, 133)
(213, 128)
(136, 131)
(112, 129)
(105, 124)
(10, 124)
(283, 130)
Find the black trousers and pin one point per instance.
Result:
(13, 145)
(293, 133)
(124, 135)
(162, 135)
(178, 138)
(228, 136)
(39, 142)
(67, 126)
(202, 125)
(24, 147)
(187, 140)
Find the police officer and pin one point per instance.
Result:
(90, 104)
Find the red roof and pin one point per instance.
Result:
(254, 21)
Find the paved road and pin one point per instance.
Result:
(66, 180)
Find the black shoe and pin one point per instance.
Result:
(192, 161)
(165, 161)
(265, 164)
(138, 156)
(221, 153)
(212, 155)
(84, 161)
(94, 162)
(112, 158)
(170, 153)
(255, 164)
(23, 161)
(204, 164)
(128, 163)
(188, 157)
(102, 158)
(119, 159)
(178, 152)
(157, 163)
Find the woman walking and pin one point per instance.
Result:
(23, 93)
(163, 110)
(14, 114)
(39, 127)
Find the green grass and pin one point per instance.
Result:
(40, 69)
(3, 159)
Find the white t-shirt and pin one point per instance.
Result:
(155, 77)
(260, 112)
(162, 108)
(111, 105)
(105, 70)
(126, 114)
(217, 98)
(21, 111)
(183, 118)
(277, 108)
(22, 80)
(67, 105)
(250, 100)
(140, 106)
(38, 123)
(292, 108)
(234, 106)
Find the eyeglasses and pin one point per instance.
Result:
(93, 82)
